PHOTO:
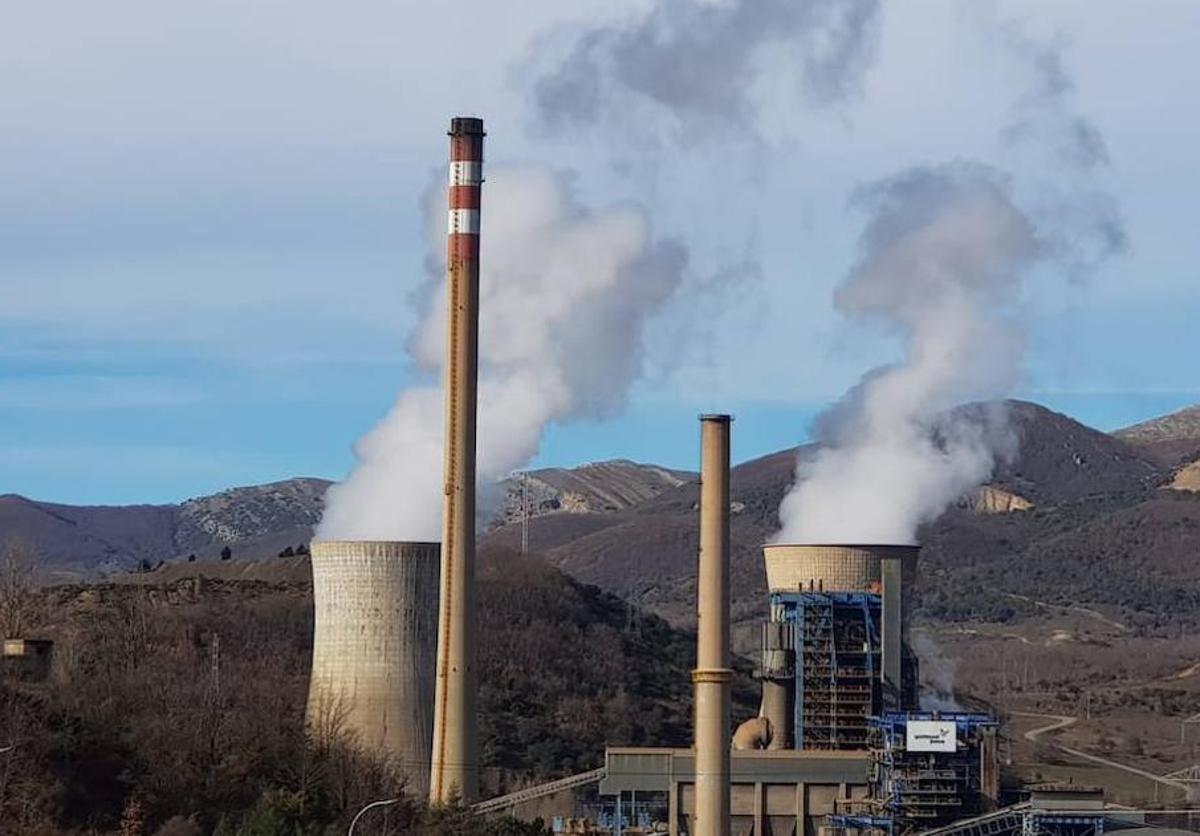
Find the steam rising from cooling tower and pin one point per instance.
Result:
(565, 294)
(942, 259)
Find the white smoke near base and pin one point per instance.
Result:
(565, 294)
(942, 259)
(937, 674)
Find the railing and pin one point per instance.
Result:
(502, 802)
(1004, 820)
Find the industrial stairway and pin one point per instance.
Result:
(504, 802)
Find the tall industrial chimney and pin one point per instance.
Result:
(455, 765)
(712, 675)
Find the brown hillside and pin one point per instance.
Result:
(1138, 560)
(67, 536)
(564, 669)
(1061, 460)
(1073, 474)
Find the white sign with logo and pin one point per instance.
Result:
(931, 736)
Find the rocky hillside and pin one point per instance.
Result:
(259, 521)
(246, 513)
(991, 499)
(1187, 478)
(82, 540)
(1173, 440)
(1181, 425)
(596, 488)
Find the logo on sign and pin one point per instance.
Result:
(931, 736)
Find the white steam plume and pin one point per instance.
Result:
(1068, 152)
(679, 95)
(941, 263)
(694, 68)
(565, 294)
(942, 259)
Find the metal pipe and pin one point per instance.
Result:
(712, 675)
(892, 632)
(777, 673)
(455, 767)
(778, 707)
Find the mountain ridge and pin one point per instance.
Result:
(77, 540)
(1172, 439)
(601, 521)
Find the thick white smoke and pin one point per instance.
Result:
(565, 294)
(942, 259)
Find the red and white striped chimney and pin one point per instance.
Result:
(455, 765)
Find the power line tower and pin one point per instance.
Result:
(214, 654)
(524, 513)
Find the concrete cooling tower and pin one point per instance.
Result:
(840, 568)
(374, 645)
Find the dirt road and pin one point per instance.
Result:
(1059, 721)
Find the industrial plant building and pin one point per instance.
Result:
(840, 743)
(839, 698)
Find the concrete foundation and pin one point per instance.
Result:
(773, 793)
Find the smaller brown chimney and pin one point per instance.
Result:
(712, 675)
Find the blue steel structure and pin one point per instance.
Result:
(836, 639)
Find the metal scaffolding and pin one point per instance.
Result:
(837, 647)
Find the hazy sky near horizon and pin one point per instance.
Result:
(211, 226)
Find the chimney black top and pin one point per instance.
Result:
(460, 125)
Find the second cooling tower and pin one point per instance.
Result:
(374, 645)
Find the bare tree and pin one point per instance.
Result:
(18, 589)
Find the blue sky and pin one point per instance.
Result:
(210, 229)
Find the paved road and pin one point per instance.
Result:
(1059, 721)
